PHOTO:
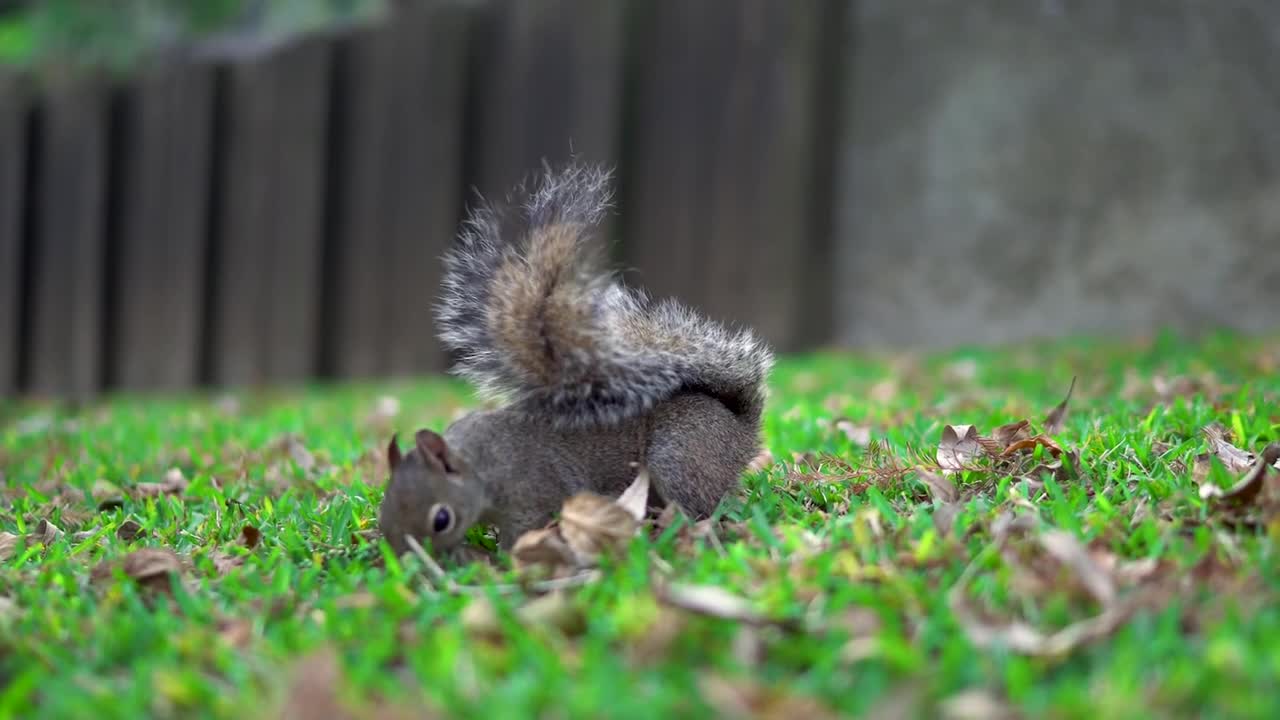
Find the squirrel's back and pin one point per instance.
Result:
(535, 317)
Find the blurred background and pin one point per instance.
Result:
(239, 192)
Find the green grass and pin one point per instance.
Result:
(117, 35)
(852, 557)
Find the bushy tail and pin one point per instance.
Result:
(537, 320)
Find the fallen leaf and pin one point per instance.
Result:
(592, 524)
(1057, 416)
(151, 568)
(975, 705)
(224, 563)
(1245, 491)
(384, 411)
(883, 392)
(129, 530)
(1235, 459)
(250, 536)
(959, 446)
(1006, 435)
(1066, 549)
(762, 461)
(1031, 444)
(965, 370)
(716, 602)
(46, 533)
(944, 517)
(313, 689)
(940, 487)
(635, 499)
(174, 483)
(859, 435)
(1021, 637)
(8, 543)
(746, 699)
(544, 548)
(556, 610)
(236, 632)
(298, 452)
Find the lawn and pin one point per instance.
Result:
(218, 556)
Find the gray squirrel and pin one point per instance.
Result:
(597, 378)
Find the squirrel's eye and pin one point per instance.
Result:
(442, 519)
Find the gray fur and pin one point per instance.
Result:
(600, 381)
(639, 352)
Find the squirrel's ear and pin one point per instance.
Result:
(393, 453)
(432, 448)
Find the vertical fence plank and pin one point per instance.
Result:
(397, 191)
(357, 262)
(269, 219)
(64, 355)
(164, 152)
(551, 80)
(721, 196)
(425, 173)
(13, 154)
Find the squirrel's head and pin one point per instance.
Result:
(427, 496)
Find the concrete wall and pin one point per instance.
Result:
(1017, 169)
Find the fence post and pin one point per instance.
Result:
(13, 155)
(163, 156)
(550, 76)
(268, 221)
(720, 194)
(64, 355)
(395, 192)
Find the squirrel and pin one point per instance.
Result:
(597, 379)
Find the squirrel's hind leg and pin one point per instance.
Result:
(698, 450)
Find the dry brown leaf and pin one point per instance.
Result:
(1245, 491)
(1069, 551)
(958, 448)
(8, 543)
(716, 602)
(1058, 415)
(976, 705)
(224, 563)
(1006, 435)
(555, 610)
(384, 411)
(1232, 457)
(859, 435)
(883, 392)
(236, 632)
(129, 530)
(313, 690)
(151, 568)
(944, 517)
(635, 499)
(746, 699)
(1030, 444)
(174, 483)
(250, 536)
(863, 626)
(1019, 636)
(544, 548)
(592, 524)
(940, 487)
(762, 461)
(46, 533)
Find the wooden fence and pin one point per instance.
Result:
(249, 215)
